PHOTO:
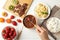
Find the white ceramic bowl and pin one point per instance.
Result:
(15, 30)
(53, 24)
(47, 8)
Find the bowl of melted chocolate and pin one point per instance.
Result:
(27, 21)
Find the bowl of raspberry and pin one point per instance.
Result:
(9, 33)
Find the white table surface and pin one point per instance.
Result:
(30, 34)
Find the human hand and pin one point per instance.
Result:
(42, 33)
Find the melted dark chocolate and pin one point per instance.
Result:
(27, 23)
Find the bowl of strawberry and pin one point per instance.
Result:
(9, 33)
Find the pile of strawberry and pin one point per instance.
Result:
(9, 20)
(8, 33)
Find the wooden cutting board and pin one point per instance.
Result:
(9, 2)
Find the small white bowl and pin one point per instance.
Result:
(53, 24)
(46, 6)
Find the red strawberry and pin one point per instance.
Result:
(12, 17)
(14, 23)
(19, 20)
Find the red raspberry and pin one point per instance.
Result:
(12, 17)
(19, 20)
(9, 39)
(5, 36)
(12, 29)
(3, 31)
(10, 33)
(14, 23)
(7, 30)
(14, 34)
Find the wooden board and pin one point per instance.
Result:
(9, 2)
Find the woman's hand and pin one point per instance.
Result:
(42, 33)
